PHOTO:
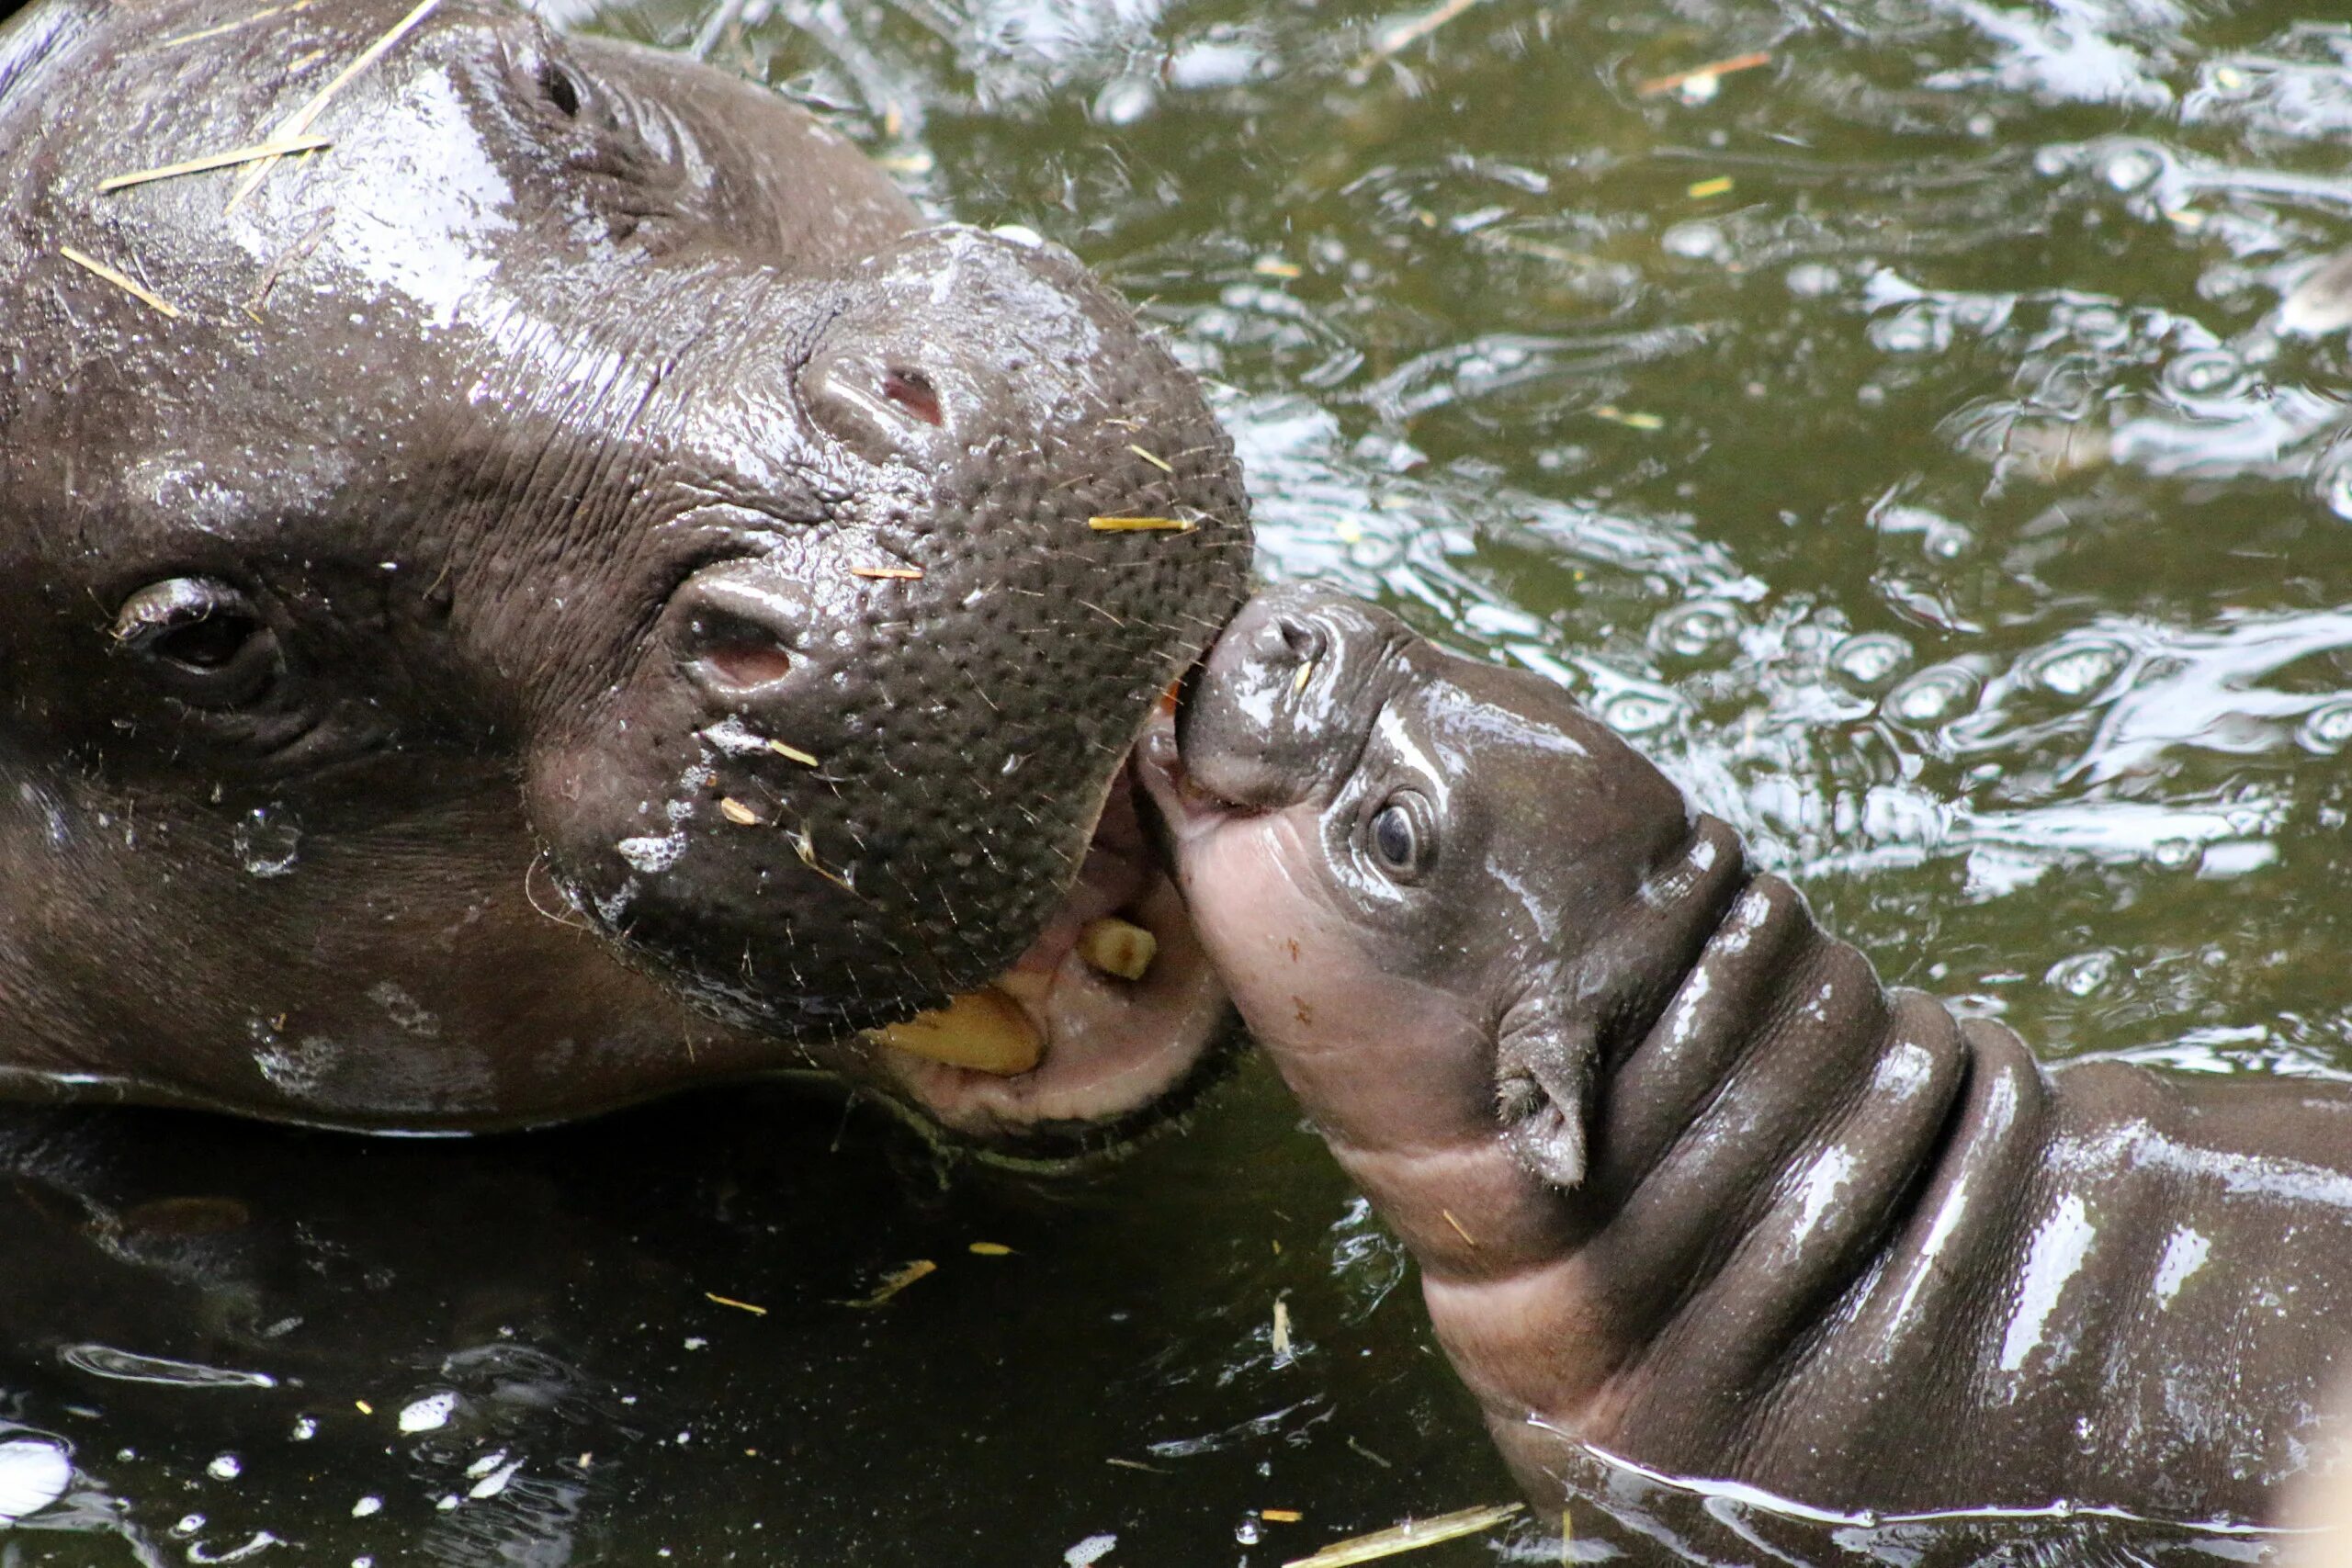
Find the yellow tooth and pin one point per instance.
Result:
(1118, 947)
(986, 1032)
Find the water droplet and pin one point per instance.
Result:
(225, 1467)
(1247, 1531)
(1933, 695)
(366, 1505)
(2327, 729)
(268, 841)
(2076, 668)
(2082, 974)
(1868, 660)
(1694, 630)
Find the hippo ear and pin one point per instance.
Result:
(1544, 1070)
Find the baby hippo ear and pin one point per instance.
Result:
(1543, 1071)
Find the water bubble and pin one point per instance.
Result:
(2076, 668)
(1812, 280)
(2204, 373)
(1868, 660)
(1695, 628)
(2173, 854)
(2131, 168)
(225, 1467)
(1695, 242)
(2327, 729)
(1636, 713)
(1915, 329)
(188, 1524)
(305, 1428)
(366, 1505)
(1933, 695)
(1248, 1532)
(2335, 488)
(2082, 974)
(268, 841)
(429, 1413)
(34, 1472)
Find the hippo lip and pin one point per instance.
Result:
(1119, 1056)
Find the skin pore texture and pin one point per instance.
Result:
(1686, 1183)
(570, 589)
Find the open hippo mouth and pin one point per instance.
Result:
(1112, 1022)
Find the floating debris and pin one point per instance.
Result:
(989, 1249)
(735, 811)
(1281, 1515)
(731, 1302)
(1135, 1464)
(211, 161)
(1281, 1330)
(1275, 266)
(298, 122)
(1699, 83)
(792, 753)
(363, 1407)
(1410, 1536)
(1140, 525)
(899, 574)
(1414, 29)
(123, 281)
(895, 1282)
(1630, 418)
(1154, 458)
(1385, 1464)
(1298, 682)
(1720, 185)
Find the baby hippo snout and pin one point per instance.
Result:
(1268, 714)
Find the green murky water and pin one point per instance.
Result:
(1900, 437)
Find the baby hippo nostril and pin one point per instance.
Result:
(745, 660)
(1289, 639)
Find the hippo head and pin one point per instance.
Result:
(564, 587)
(1435, 886)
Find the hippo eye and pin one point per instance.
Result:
(1402, 835)
(201, 641)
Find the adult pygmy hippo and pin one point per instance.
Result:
(1686, 1183)
(570, 475)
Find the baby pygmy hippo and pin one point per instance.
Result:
(1686, 1183)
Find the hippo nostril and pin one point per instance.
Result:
(912, 391)
(735, 653)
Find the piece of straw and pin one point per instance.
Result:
(123, 281)
(1140, 524)
(1410, 1536)
(211, 161)
(298, 122)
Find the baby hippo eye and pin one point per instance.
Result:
(200, 640)
(1403, 837)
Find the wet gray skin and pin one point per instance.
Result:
(1686, 1183)
(571, 590)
